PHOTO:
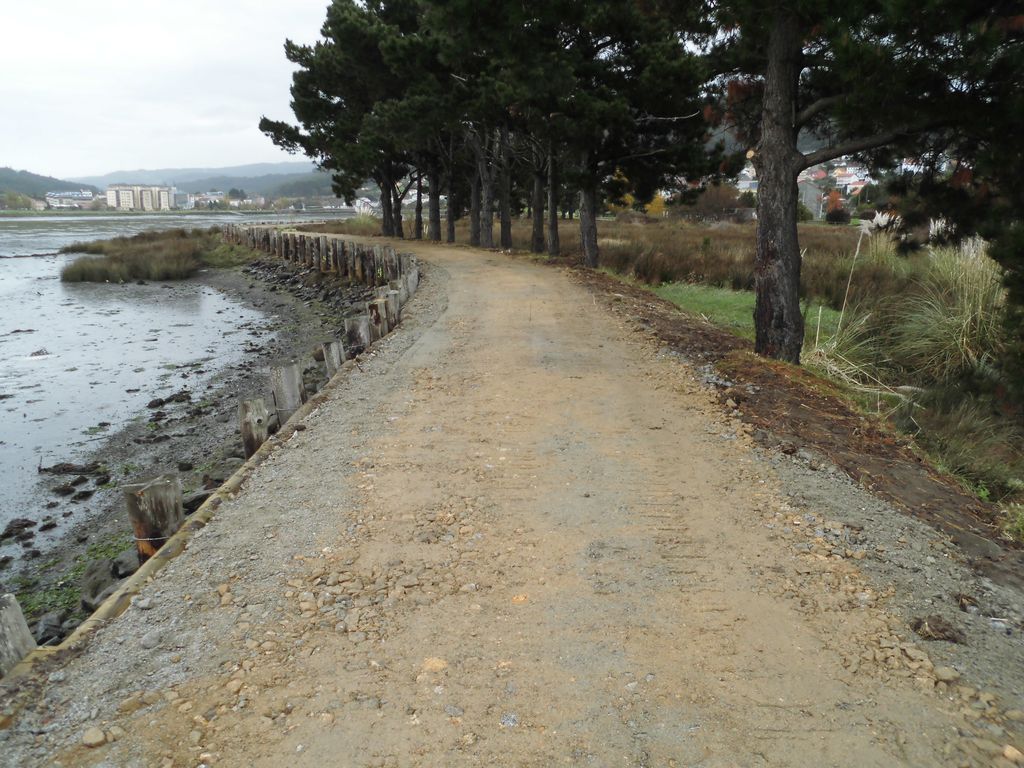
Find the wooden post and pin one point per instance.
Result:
(413, 278)
(155, 511)
(357, 333)
(289, 394)
(393, 308)
(334, 356)
(378, 319)
(350, 262)
(253, 419)
(402, 287)
(16, 641)
(359, 265)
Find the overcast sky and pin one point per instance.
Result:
(93, 86)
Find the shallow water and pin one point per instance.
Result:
(73, 355)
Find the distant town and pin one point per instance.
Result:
(842, 187)
(146, 198)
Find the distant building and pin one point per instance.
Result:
(204, 199)
(70, 199)
(746, 181)
(136, 197)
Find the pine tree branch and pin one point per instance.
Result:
(868, 142)
(816, 107)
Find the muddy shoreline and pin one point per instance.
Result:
(194, 435)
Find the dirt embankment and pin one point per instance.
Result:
(525, 531)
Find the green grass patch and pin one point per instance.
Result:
(734, 310)
(173, 254)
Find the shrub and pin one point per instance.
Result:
(838, 216)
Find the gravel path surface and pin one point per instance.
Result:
(520, 534)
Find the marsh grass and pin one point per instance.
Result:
(930, 355)
(173, 254)
(360, 226)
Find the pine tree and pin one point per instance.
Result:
(814, 80)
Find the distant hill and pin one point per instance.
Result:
(185, 178)
(308, 184)
(34, 185)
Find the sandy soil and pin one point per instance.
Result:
(525, 533)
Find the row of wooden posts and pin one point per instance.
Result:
(155, 507)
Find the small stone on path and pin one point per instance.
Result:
(150, 640)
(94, 737)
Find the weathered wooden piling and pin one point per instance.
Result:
(393, 308)
(357, 332)
(289, 393)
(402, 287)
(253, 421)
(334, 356)
(155, 511)
(16, 641)
(378, 319)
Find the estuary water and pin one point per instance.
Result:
(79, 360)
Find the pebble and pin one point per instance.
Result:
(509, 720)
(1013, 754)
(57, 677)
(946, 674)
(150, 640)
(144, 603)
(452, 711)
(434, 664)
(94, 737)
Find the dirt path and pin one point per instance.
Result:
(519, 535)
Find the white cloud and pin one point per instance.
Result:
(92, 87)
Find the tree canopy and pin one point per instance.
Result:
(495, 103)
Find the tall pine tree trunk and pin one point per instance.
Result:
(474, 210)
(778, 324)
(452, 208)
(505, 188)
(588, 223)
(486, 205)
(418, 227)
(387, 224)
(396, 213)
(554, 192)
(434, 205)
(537, 211)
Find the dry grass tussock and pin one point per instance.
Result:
(930, 356)
(173, 254)
(360, 226)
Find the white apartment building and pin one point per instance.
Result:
(136, 197)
